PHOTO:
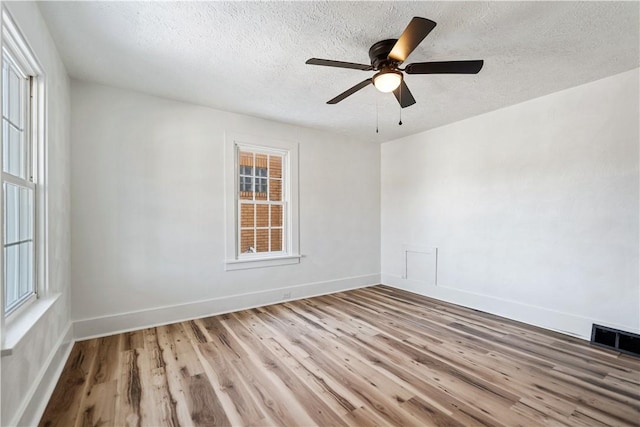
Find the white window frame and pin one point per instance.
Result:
(15, 44)
(235, 259)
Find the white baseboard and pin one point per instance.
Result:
(38, 396)
(124, 322)
(566, 323)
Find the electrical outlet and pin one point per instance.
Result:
(286, 295)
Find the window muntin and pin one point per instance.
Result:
(19, 284)
(261, 202)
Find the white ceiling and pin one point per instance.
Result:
(249, 57)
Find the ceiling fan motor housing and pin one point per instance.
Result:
(379, 54)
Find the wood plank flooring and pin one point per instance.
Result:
(374, 356)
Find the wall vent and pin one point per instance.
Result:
(615, 339)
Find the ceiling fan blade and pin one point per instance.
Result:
(350, 91)
(404, 96)
(445, 67)
(415, 32)
(339, 64)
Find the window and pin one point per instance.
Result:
(262, 215)
(261, 203)
(19, 154)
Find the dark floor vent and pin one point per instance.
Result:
(615, 339)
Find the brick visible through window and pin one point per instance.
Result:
(261, 202)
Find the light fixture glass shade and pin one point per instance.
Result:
(387, 81)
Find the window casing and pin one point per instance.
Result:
(262, 203)
(20, 130)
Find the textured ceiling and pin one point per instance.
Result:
(248, 57)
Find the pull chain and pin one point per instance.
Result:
(400, 122)
(376, 115)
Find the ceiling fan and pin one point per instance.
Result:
(386, 57)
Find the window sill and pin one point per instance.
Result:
(242, 264)
(17, 328)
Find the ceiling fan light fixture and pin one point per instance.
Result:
(387, 80)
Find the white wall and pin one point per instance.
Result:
(30, 371)
(148, 212)
(533, 209)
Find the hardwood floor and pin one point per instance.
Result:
(375, 356)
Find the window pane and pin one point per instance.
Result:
(13, 150)
(261, 185)
(18, 218)
(262, 240)
(26, 214)
(275, 166)
(11, 277)
(5, 144)
(5, 87)
(16, 153)
(11, 213)
(245, 168)
(275, 190)
(276, 216)
(246, 159)
(261, 171)
(246, 215)
(26, 268)
(261, 161)
(247, 244)
(15, 98)
(246, 188)
(18, 273)
(261, 189)
(276, 239)
(262, 215)
(245, 184)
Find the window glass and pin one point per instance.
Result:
(16, 97)
(18, 185)
(18, 244)
(261, 202)
(276, 216)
